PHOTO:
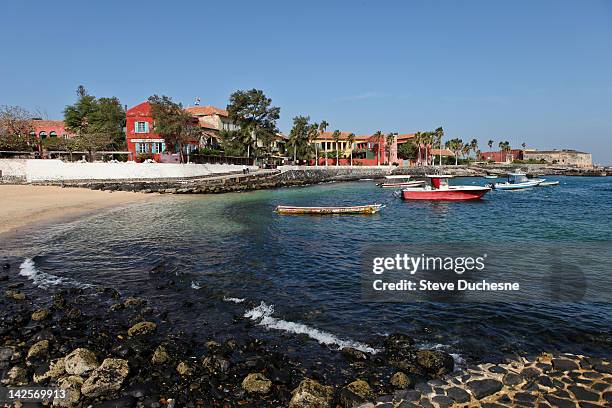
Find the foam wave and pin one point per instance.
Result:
(263, 315)
(459, 360)
(233, 299)
(44, 280)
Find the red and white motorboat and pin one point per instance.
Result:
(439, 189)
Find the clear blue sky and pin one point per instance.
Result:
(538, 72)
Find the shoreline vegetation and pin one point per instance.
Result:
(108, 349)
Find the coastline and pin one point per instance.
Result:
(26, 205)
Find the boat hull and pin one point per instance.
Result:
(360, 209)
(445, 195)
(516, 186)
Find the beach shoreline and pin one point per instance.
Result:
(24, 206)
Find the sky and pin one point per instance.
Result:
(534, 72)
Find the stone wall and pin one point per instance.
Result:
(562, 157)
(57, 170)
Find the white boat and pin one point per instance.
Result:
(491, 176)
(548, 183)
(517, 181)
(402, 184)
(398, 176)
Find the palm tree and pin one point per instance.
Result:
(524, 145)
(379, 137)
(418, 138)
(313, 133)
(389, 144)
(336, 136)
(439, 135)
(504, 147)
(322, 127)
(427, 142)
(474, 145)
(490, 143)
(350, 140)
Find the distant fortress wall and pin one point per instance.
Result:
(563, 157)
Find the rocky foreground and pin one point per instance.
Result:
(126, 356)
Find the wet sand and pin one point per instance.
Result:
(24, 205)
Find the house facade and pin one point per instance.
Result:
(44, 129)
(212, 120)
(142, 141)
(502, 156)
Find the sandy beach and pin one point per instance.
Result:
(22, 205)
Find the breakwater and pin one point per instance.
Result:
(268, 179)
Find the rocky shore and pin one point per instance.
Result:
(305, 176)
(114, 350)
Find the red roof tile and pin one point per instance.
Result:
(206, 110)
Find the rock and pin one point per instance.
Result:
(160, 355)
(16, 376)
(442, 401)
(56, 369)
(311, 394)
(400, 380)
(563, 364)
(399, 345)
(215, 364)
(458, 394)
(72, 384)
(583, 394)
(256, 383)
(133, 302)
(6, 354)
(15, 295)
(141, 328)
(38, 349)
(80, 361)
(40, 315)
(184, 369)
(559, 402)
(435, 362)
(484, 388)
(107, 378)
(356, 393)
(512, 379)
(353, 354)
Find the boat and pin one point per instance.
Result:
(357, 209)
(402, 184)
(517, 181)
(491, 176)
(548, 183)
(399, 184)
(440, 190)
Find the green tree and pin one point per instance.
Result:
(322, 127)
(350, 140)
(456, 146)
(408, 151)
(439, 134)
(299, 138)
(97, 123)
(474, 145)
(173, 123)
(379, 137)
(490, 143)
(253, 112)
(336, 138)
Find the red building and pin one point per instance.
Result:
(142, 141)
(502, 156)
(50, 128)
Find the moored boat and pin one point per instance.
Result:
(491, 176)
(439, 189)
(548, 183)
(517, 181)
(401, 184)
(358, 209)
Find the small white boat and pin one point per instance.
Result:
(517, 181)
(402, 185)
(491, 176)
(398, 176)
(548, 183)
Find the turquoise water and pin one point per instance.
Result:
(226, 254)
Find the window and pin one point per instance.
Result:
(141, 127)
(42, 135)
(52, 134)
